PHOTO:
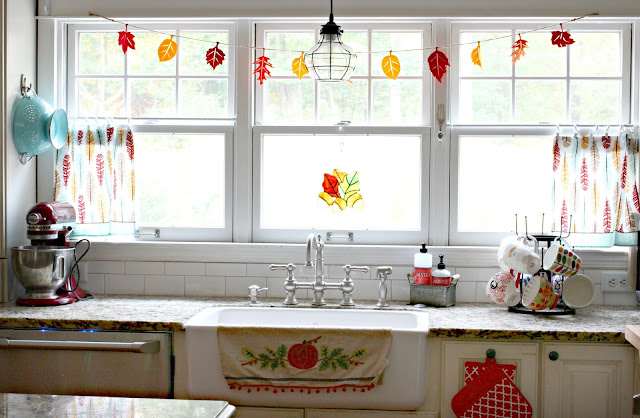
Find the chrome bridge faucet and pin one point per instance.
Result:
(314, 242)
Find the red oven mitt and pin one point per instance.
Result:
(491, 394)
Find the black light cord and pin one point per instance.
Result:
(75, 266)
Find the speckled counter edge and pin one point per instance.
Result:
(475, 334)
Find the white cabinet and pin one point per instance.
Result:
(523, 355)
(587, 380)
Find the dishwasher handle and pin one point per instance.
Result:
(146, 347)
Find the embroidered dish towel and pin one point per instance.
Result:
(304, 359)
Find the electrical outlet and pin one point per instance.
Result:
(615, 281)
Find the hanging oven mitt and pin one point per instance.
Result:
(491, 394)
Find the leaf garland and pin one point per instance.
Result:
(518, 49)
(561, 38)
(167, 49)
(125, 39)
(438, 63)
(262, 67)
(215, 56)
(298, 67)
(476, 56)
(391, 66)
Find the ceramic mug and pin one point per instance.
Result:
(538, 294)
(578, 291)
(502, 289)
(556, 282)
(561, 259)
(519, 256)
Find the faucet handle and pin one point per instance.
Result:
(289, 267)
(348, 268)
(383, 271)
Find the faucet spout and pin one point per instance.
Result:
(310, 238)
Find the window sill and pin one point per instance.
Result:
(130, 249)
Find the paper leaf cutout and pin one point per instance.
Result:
(125, 39)
(298, 67)
(262, 69)
(391, 66)
(476, 56)
(215, 56)
(438, 63)
(518, 49)
(330, 185)
(561, 38)
(167, 49)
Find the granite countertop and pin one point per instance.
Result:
(25, 406)
(463, 321)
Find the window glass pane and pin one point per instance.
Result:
(293, 169)
(484, 101)
(189, 189)
(99, 53)
(152, 98)
(101, 97)
(595, 101)
(193, 53)
(203, 98)
(397, 102)
(495, 56)
(410, 62)
(596, 54)
(288, 101)
(516, 182)
(540, 101)
(359, 43)
(343, 101)
(144, 59)
(542, 58)
(281, 44)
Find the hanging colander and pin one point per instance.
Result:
(37, 126)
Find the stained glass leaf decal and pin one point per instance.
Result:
(353, 199)
(341, 203)
(350, 185)
(330, 185)
(326, 197)
(340, 175)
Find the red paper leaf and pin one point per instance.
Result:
(262, 68)
(438, 63)
(130, 144)
(561, 38)
(215, 56)
(125, 39)
(518, 49)
(331, 185)
(584, 175)
(556, 155)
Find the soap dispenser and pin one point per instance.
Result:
(441, 276)
(422, 266)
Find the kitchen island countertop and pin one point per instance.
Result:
(465, 320)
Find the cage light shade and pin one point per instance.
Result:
(330, 59)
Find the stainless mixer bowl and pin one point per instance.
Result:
(42, 269)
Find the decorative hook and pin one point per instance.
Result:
(24, 89)
(25, 157)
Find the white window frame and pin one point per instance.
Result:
(174, 125)
(456, 237)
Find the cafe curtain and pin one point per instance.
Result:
(595, 189)
(94, 172)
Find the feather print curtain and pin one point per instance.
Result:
(595, 182)
(94, 172)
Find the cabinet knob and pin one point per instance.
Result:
(491, 353)
(553, 356)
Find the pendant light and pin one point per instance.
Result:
(330, 59)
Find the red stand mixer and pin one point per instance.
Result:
(46, 268)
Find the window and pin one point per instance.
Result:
(505, 117)
(371, 130)
(182, 114)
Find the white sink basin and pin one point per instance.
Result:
(404, 384)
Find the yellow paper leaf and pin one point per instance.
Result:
(298, 66)
(167, 49)
(391, 66)
(326, 197)
(353, 199)
(476, 56)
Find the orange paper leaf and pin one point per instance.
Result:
(438, 63)
(298, 66)
(167, 49)
(476, 56)
(215, 56)
(391, 66)
(518, 49)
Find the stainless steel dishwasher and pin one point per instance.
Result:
(86, 362)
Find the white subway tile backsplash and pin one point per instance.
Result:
(120, 284)
(465, 292)
(482, 275)
(599, 298)
(338, 273)
(400, 289)
(398, 273)
(164, 285)
(620, 298)
(204, 286)
(144, 267)
(184, 269)
(93, 283)
(239, 286)
(364, 290)
(481, 292)
(226, 269)
(276, 288)
(108, 267)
